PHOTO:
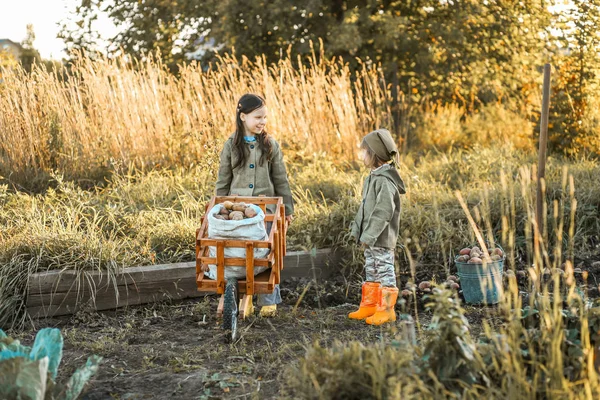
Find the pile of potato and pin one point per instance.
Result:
(425, 287)
(231, 211)
(478, 256)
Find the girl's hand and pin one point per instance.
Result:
(289, 219)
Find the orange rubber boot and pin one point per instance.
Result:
(368, 302)
(385, 310)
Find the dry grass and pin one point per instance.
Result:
(550, 354)
(150, 217)
(157, 139)
(109, 113)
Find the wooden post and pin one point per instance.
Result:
(277, 253)
(283, 231)
(220, 267)
(249, 268)
(539, 217)
(198, 261)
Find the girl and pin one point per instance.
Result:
(251, 165)
(376, 227)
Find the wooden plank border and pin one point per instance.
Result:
(55, 293)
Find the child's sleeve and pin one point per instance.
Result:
(280, 179)
(382, 213)
(356, 223)
(225, 171)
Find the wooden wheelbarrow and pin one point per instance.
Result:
(236, 294)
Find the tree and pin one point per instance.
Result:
(78, 33)
(29, 56)
(452, 49)
(170, 27)
(575, 92)
(7, 61)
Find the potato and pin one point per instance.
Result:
(452, 278)
(406, 293)
(224, 211)
(464, 258)
(236, 216)
(239, 207)
(498, 252)
(250, 212)
(475, 254)
(521, 274)
(424, 285)
(465, 251)
(475, 249)
(454, 285)
(475, 260)
(219, 216)
(496, 257)
(228, 205)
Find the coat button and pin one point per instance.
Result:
(251, 186)
(252, 146)
(251, 165)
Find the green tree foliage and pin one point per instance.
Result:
(449, 49)
(171, 27)
(78, 32)
(575, 99)
(7, 60)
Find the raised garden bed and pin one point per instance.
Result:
(55, 293)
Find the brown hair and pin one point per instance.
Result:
(372, 160)
(246, 104)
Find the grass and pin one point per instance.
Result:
(540, 341)
(112, 167)
(109, 113)
(147, 217)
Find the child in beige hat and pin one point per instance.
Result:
(376, 227)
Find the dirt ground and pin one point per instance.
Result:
(178, 349)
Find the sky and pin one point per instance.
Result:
(45, 15)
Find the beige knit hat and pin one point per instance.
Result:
(382, 144)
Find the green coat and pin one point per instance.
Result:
(253, 179)
(377, 222)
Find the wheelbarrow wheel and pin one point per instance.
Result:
(230, 310)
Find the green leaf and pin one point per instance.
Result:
(48, 343)
(528, 312)
(466, 350)
(25, 379)
(73, 388)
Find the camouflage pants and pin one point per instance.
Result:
(379, 266)
(270, 299)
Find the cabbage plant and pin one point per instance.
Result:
(29, 373)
